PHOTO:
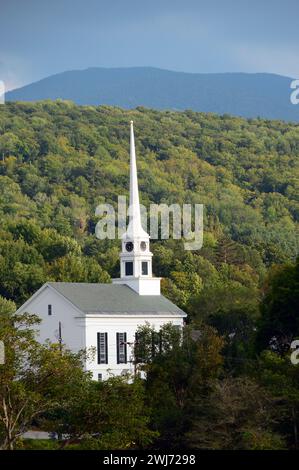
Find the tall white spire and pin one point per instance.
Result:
(135, 227)
(135, 256)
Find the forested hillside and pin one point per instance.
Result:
(60, 160)
(234, 388)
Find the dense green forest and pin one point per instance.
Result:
(59, 161)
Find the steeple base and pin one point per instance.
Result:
(143, 286)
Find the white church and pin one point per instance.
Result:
(105, 317)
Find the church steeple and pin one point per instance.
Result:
(135, 227)
(135, 257)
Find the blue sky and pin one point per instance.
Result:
(42, 37)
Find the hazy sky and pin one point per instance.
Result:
(42, 37)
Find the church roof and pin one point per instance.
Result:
(114, 299)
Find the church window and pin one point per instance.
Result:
(129, 268)
(49, 309)
(121, 346)
(144, 268)
(102, 348)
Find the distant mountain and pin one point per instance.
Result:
(241, 94)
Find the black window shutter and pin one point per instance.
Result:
(102, 348)
(121, 348)
(106, 347)
(140, 347)
(117, 347)
(125, 347)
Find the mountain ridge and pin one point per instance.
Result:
(242, 94)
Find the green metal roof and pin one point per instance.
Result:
(114, 299)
